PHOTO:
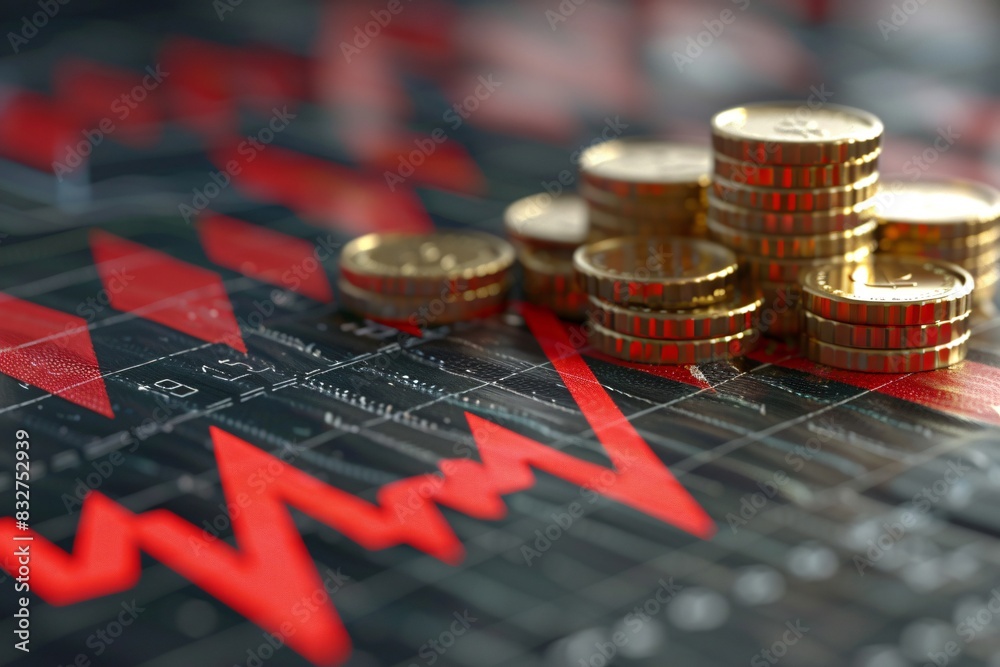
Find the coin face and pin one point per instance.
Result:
(937, 202)
(404, 264)
(675, 260)
(672, 273)
(796, 122)
(648, 161)
(886, 280)
(790, 133)
(888, 291)
(545, 219)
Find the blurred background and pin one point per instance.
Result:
(513, 89)
(323, 120)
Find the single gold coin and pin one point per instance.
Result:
(423, 310)
(659, 351)
(425, 264)
(805, 222)
(888, 361)
(933, 210)
(746, 172)
(669, 273)
(721, 319)
(795, 200)
(782, 246)
(645, 167)
(547, 220)
(791, 133)
(789, 270)
(900, 291)
(886, 337)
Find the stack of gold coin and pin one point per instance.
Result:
(957, 221)
(546, 231)
(644, 187)
(891, 315)
(424, 279)
(792, 188)
(665, 301)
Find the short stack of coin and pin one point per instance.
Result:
(644, 187)
(665, 301)
(957, 221)
(546, 232)
(793, 188)
(891, 315)
(425, 279)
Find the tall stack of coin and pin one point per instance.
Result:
(957, 221)
(793, 188)
(891, 315)
(643, 187)
(546, 231)
(424, 279)
(665, 301)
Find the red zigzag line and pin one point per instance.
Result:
(270, 575)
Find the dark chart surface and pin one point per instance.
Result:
(226, 469)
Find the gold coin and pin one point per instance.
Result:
(422, 310)
(794, 247)
(797, 200)
(745, 172)
(808, 222)
(792, 133)
(547, 220)
(888, 291)
(888, 361)
(932, 210)
(645, 167)
(722, 319)
(950, 249)
(692, 200)
(425, 264)
(789, 270)
(669, 273)
(653, 351)
(886, 337)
